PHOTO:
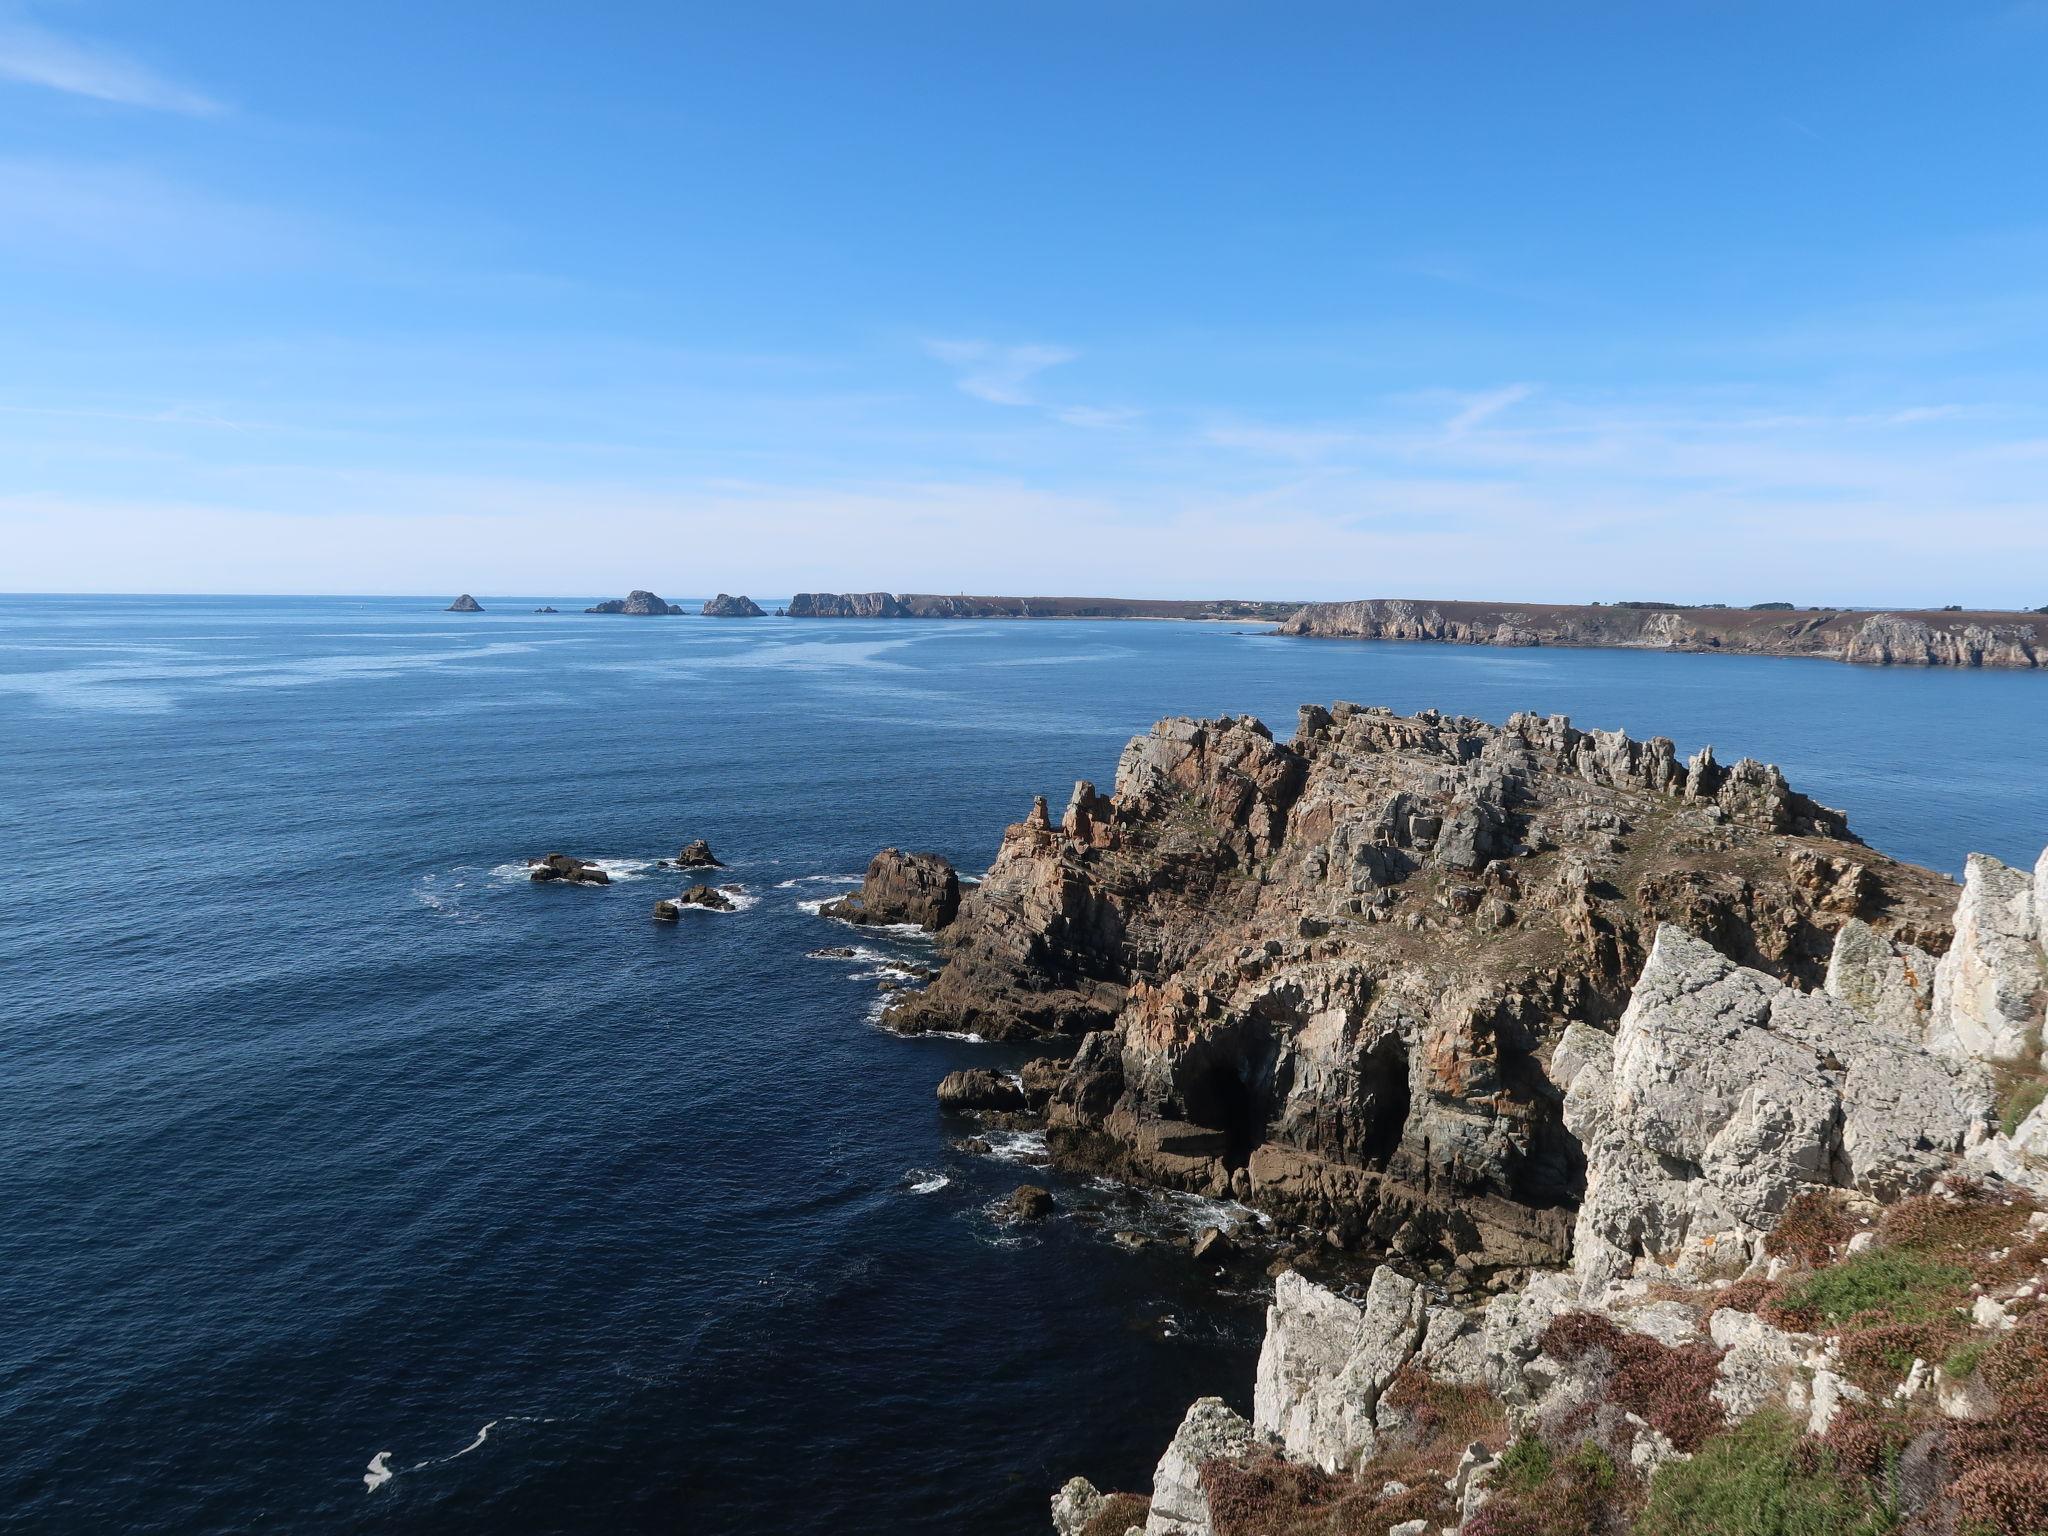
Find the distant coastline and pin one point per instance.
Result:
(1898, 637)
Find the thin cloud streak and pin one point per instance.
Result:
(34, 55)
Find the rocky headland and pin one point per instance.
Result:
(1658, 1145)
(1944, 638)
(726, 607)
(637, 602)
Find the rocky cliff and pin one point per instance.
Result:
(1934, 639)
(1804, 1292)
(1330, 977)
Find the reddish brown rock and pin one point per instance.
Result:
(915, 888)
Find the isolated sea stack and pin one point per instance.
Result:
(637, 602)
(465, 604)
(917, 889)
(724, 607)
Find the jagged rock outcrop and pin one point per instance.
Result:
(1889, 982)
(921, 889)
(979, 1088)
(637, 602)
(1989, 988)
(562, 866)
(1326, 976)
(1725, 1093)
(709, 897)
(724, 607)
(1326, 1361)
(465, 604)
(1944, 639)
(1212, 1431)
(696, 854)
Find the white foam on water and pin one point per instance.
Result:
(1017, 1146)
(620, 870)
(856, 954)
(380, 1471)
(922, 1181)
(790, 885)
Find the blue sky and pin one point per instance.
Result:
(1703, 301)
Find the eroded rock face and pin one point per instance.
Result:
(1724, 1093)
(1890, 983)
(916, 888)
(1326, 976)
(1989, 988)
(724, 607)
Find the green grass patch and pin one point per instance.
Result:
(2018, 1097)
(1880, 1286)
(1759, 1480)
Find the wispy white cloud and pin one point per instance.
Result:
(35, 55)
(1000, 375)
(1479, 408)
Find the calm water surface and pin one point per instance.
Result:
(326, 1134)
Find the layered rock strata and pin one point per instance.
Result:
(1926, 638)
(1330, 977)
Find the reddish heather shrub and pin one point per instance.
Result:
(1443, 1417)
(1974, 1222)
(1876, 1358)
(2008, 1498)
(1263, 1495)
(1671, 1388)
(1748, 1294)
(1812, 1227)
(1119, 1512)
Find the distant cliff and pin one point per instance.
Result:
(1948, 638)
(929, 605)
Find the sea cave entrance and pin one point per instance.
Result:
(1383, 1100)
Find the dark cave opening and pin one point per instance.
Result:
(1221, 1100)
(1383, 1095)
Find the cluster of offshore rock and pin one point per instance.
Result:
(1332, 978)
(1802, 1082)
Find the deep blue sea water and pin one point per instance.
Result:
(325, 1133)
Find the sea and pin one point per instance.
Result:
(355, 1183)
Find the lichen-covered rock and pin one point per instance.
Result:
(920, 889)
(1725, 1094)
(1760, 1363)
(1211, 1431)
(1078, 1502)
(1887, 982)
(1325, 1362)
(1989, 987)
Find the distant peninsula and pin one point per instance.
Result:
(928, 605)
(1947, 637)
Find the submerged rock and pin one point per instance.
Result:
(1029, 1202)
(707, 896)
(637, 602)
(465, 604)
(561, 866)
(914, 888)
(724, 607)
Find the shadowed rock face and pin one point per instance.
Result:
(1327, 977)
(635, 602)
